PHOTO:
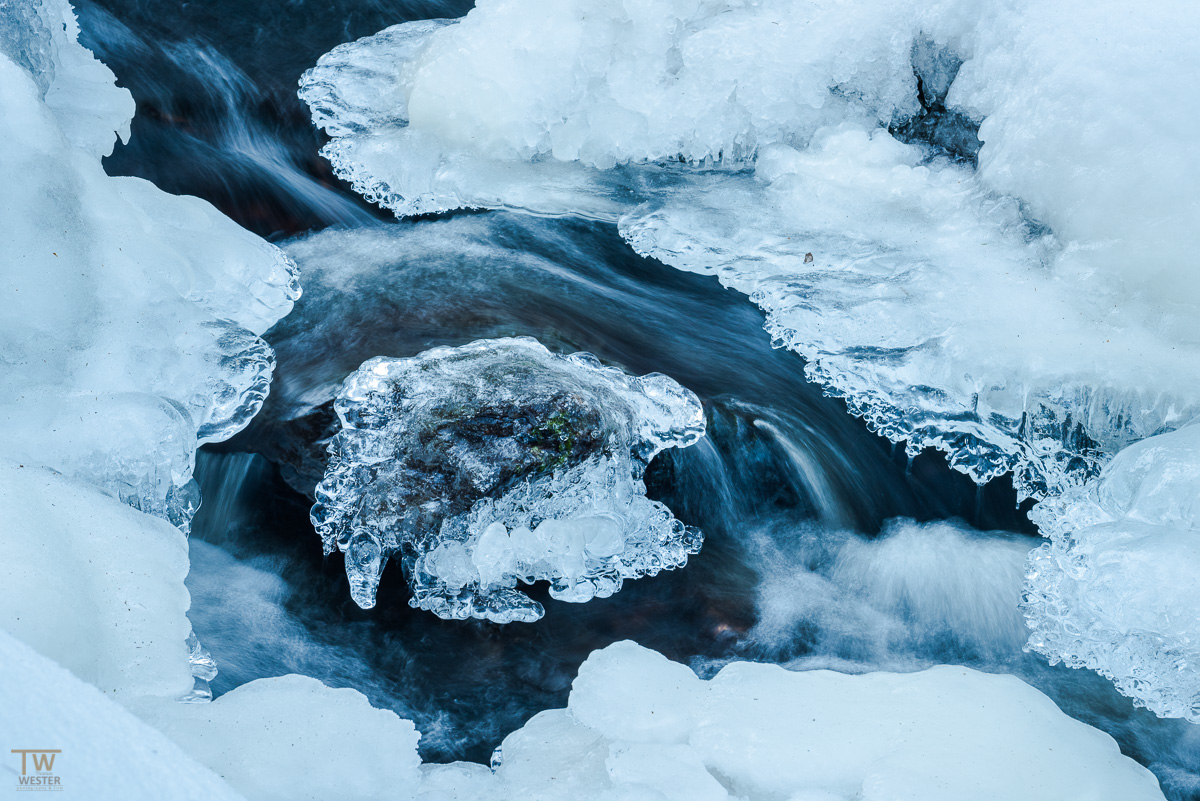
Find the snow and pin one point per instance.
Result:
(1115, 588)
(1033, 316)
(976, 222)
(498, 462)
(943, 733)
(131, 322)
(754, 731)
(291, 738)
(107, 753)
(98, 587)
(94, 585)
(758, 731)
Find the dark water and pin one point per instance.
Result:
(784, 479)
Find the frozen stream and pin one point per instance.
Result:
(824, 544)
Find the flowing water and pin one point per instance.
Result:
(803, 562)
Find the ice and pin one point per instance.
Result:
(107, 754)
(937, 313)
(94, 585)
(291, 738)
(1115, 588)
(758, 731)
(130, 330)
(40, 35)
(650, 710)
(1032, 316)
(462, 107)
(498, 462)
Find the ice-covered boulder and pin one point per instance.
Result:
(104, 752)
(1116, 588)
(499, 462)
(1034, 315)
(130, 326)
(640, 726)
(94, 585)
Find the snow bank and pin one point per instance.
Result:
(94, 585)
(292, 738)
(1032, 316)
(98, 587)
(106, 753)
(640, 726)
(130, 327)
(1115, 589)
(637, 726)
(498, 462)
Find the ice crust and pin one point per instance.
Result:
(1033, 315)
(639, 726)
(1115, 589)
(130, 330)
(500, 462)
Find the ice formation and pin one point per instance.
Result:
(974, 220)
(1115, 589)
(131, 328)
(1033, 315)
(498, 462)
(134, 336)
(640, 726)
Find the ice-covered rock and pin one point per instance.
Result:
(105, 753)
(291, 738)
(94, 585)
(1115, 589)
(640, 726)
(1033, 316)
(130, 326)
(498, 462)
